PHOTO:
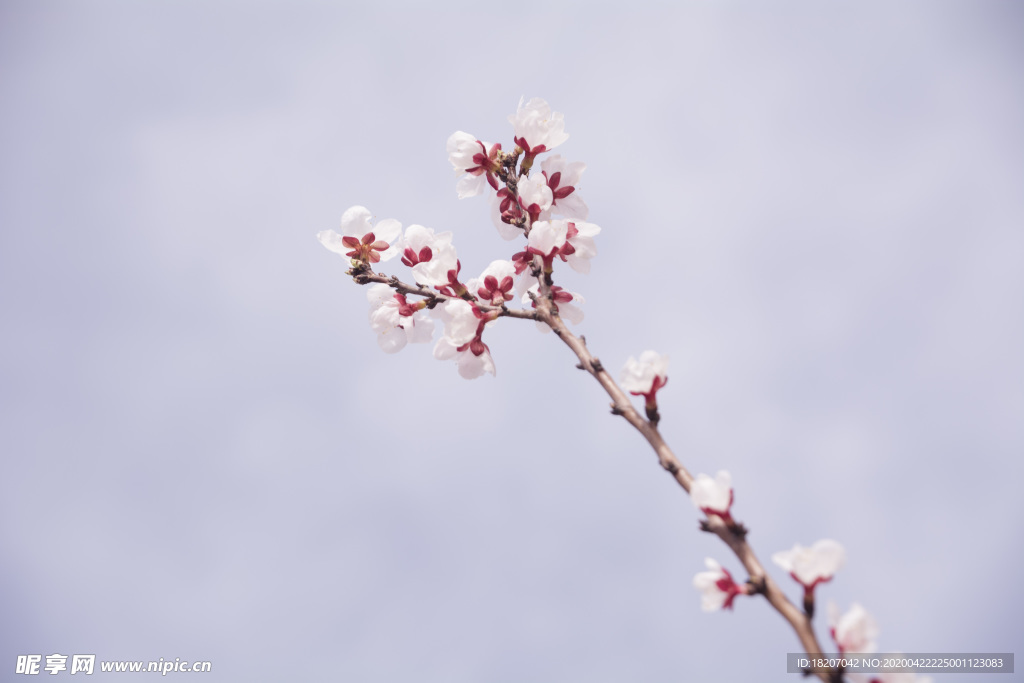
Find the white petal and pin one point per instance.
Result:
(416, 237)
(571, 174)
(355, 222)
(463, 324)
(378, 294)
(586, 229)
(570, 312)
(580, 265)
(444, 349)
(419, 328)
(332, 241)
(572, 206)
(390, 231)
(385, 317)
(392, 340)
(472, 366)
(471, 185)
(784, 558)
(461, 148)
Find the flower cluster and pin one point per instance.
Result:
(717, 587)
(543, 208)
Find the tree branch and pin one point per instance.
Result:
(734, 537)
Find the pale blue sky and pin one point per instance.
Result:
(815, 210)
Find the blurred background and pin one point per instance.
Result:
(815, 210)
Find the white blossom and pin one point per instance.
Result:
(717, 588)
(495, 284)
(536, 128)
(646, 376)
(811, 566)
(563, 178)
(461, 321)
(713, 496)
(361, 239)
(439, 270)
(853, 631)
(474, 158)
(431, 255)
(470, 362)
(535, 195)
(395, 321)
(420, 244)
(579, 247)
(546, 237)
(461, 340)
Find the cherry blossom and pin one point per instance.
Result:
(463, 327)
(419, 244)
(563, 179)
(713, 496)
(535, 196)
(397, 322)
(473, 359)
(853, 631)
(717, 587)
(545, 240)
(433, 259)
(645, 377)
(431, 256)
(361, 240)
(537, 129)
(579, 245)
(461, 320)
(477, 160)
(814, 565)
(494, 285)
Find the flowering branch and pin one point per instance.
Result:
(362, 274)
(525, 206)
(732, 535)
